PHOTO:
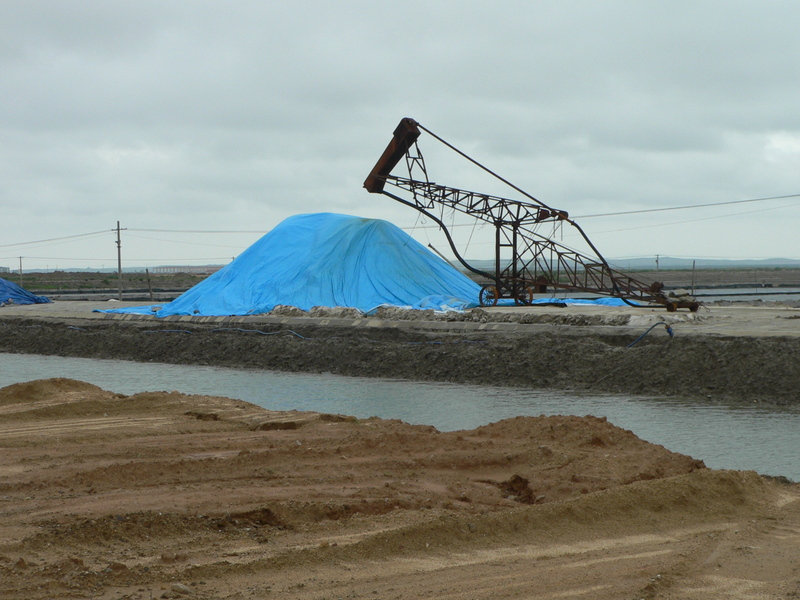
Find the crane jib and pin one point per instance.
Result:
(538, 263)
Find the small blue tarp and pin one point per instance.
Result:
(11, 293)
(326, 259)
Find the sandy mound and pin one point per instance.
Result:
(44, 390)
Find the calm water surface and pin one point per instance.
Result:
(766, 440)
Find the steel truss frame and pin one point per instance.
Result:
(537, 261)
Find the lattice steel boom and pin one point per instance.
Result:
(537, 262)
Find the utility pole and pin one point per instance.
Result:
(149, 285)
(656, 263)
(20, 272)
(119, 261)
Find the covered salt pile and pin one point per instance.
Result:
(331, 260)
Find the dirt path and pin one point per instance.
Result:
(162, 495)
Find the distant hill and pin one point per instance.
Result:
(667, 262)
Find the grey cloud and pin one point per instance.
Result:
(205, 114)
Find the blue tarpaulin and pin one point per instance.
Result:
(11, 293)
(327, 259)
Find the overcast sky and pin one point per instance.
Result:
(232, 116)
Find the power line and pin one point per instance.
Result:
(144, 237)
(174, 260)
(58, 239)
(650, 210)
(110, 259)
(747, 212)
(262, 232)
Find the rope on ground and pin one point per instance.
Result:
(226, 329)
(440, 343)
(168, 331)
(612, 371)
(259, 331)
(669, 331)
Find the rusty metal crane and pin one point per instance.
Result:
(537, 262)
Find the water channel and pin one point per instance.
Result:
(764, 439)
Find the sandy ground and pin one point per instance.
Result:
(162, 495)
